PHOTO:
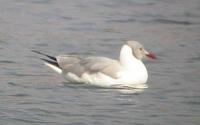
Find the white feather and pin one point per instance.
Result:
(53, 67)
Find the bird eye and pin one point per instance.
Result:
(140, 49)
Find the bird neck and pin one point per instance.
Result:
(132, 65)
(127, 59)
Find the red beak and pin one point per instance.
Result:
(151, 55)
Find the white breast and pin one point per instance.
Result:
(134, 71)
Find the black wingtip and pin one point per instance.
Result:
(50, 62)
(51, 57)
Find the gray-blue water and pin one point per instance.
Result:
(32, 94)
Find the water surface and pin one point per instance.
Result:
(30, 93)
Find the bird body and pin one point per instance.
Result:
(129, 70)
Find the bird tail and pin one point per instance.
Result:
(51, 62)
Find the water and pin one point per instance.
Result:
(30, 93)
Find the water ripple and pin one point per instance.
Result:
(152, 20)
(30, 120)
(7, 61)
(17, 85)
(20, 95)
(169, 21)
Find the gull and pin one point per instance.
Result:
(128, 71)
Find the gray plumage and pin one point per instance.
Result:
(90, 65)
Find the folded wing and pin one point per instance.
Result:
(79, 66)
(90, 65)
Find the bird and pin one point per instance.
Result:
(127, 71)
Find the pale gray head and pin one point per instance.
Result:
(138, 50)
